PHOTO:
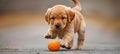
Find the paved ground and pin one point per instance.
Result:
(28, 39)
(41, 51)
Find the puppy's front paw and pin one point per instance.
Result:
(64, 44)
(47, 36)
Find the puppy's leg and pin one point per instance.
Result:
(67, 40)
(51, 34)
(70, 44)
(80, 40)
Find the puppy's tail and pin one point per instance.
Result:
(77, 5)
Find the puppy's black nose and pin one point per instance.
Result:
(57, 26)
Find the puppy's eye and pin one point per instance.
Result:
(62, 17)
(52, 18)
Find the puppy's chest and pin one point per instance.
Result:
(60, 34)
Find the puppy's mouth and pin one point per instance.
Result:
(58, 29)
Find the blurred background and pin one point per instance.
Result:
(22, 24)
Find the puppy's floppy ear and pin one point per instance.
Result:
(47, 15)
(70, 14)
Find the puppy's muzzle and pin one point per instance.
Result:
(57, 26)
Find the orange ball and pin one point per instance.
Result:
(54, 45)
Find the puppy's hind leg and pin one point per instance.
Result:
(80, 39)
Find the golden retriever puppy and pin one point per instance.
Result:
(64, 22)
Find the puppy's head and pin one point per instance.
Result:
(59, 16)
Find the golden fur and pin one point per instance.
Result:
(64, 22)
